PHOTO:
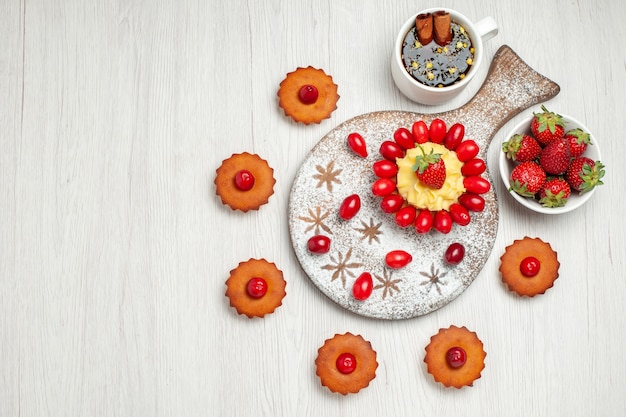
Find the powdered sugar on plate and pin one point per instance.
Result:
(331, 172)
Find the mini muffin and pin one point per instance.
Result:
(529, 266)
(244, 182)
(346, 363)
(308, 95)
(255, 288)
(455, 357)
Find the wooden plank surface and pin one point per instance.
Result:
(114, 248)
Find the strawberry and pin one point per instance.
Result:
(554, 193)
(521, 148)
(527, 178)
(555, 157)
(430, 169)
(578, 141)
(547, 126)
(584, 174)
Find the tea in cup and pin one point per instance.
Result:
(436, 54)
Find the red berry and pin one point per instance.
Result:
(391, 150)
(521, 148)
(430, 168)
(443, 222)
(385, 168)
(350, 207)
(406, 216)
(473, 167)
(554, 193)
(555, 157)
(472, 202)
(455, 253)
(527, 178)
(424, 221)
(383, 187)
(456, 357)
(454, 136)
(578, 141)
(398, 259)
(346, 363)
(420, 131)
(257, 287)
(459, 214)
(244, 180)
(547, 126)
(437, 131)
(318, 244)
(404, 138)
(308, 94)
(468, 149)
(529, 267)
(476, 185)
(584, 174)
(363, 286)
(391, 203)
(357, 144)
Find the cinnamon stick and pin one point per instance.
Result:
(424, 28)
(443, 29)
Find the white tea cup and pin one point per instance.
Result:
(478, 33)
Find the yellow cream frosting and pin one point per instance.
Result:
(421, 196)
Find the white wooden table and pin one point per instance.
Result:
(114, 248)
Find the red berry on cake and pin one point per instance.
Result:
(430, 169)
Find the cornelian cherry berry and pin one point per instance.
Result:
(257, 287)
(244, 180)
(529, 267)
(318, 244)
(346, 363)
(363, 286)
(455, 253)
(350, 206)
(308, 94)
(456, 357)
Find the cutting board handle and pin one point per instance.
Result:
(510, 87)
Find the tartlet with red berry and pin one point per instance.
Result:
(455, 357)
(529, 266)
(308, 95)
(430, 177)
(244, 181)
(256, 287)
(346, 363)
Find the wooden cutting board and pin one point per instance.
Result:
(331, 172)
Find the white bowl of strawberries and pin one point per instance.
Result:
(550, 163)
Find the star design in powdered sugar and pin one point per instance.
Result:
(370, 231)
(341, 267)
(327, 175)
(434, 279)
(387, 284)
(317, 221)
